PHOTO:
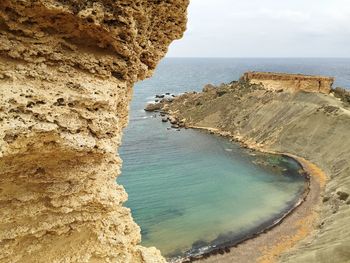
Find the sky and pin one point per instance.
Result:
(265, 28)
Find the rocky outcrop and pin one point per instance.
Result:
(66, 74)
(313, 126)
(290, 82)
(153, 107)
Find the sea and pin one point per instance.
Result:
(192, 192)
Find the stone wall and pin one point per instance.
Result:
(290, 82)
(67, 68)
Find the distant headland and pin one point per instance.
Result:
(292, 82)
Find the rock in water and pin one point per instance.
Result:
(153, 107)
(66, 74)
(172, 120)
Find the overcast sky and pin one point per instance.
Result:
(266, 28)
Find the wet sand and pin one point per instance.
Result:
(266, 247)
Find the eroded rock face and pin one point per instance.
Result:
(290, 82)
(66, 74)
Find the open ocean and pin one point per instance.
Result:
(189, 190)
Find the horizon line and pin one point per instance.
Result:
(260, 57)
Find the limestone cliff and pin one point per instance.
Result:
(67, 68)
(290, 82)
(314, 126)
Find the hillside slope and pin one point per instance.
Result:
(310, 125)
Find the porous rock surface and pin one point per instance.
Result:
(67, 68)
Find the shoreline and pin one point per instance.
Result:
(311, 125)
(315, 182)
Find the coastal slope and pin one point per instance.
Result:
(311, 125)
(67, 69)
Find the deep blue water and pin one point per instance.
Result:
(188, 187)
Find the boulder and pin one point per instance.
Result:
(172, 120)
(181, 124)
(153, 107)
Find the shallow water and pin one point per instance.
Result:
(188, 189)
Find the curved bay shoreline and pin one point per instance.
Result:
(268, 238)
(309, 126)
(240, 249)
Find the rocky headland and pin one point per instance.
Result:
(309, 121)
(67, 69)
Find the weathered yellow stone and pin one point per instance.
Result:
(290, 82)
(66, 74)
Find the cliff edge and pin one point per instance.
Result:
(290, 82)
(66, 74)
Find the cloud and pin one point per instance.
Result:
(266, 28)
(284, 15)
(271, 14)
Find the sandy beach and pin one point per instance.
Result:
(287, 231)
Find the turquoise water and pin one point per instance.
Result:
(189, 190)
